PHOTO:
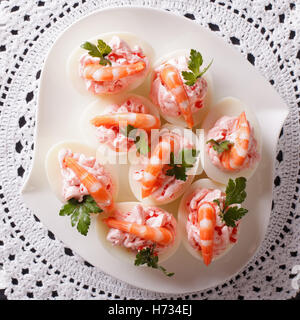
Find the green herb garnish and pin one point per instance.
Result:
(233, 214)
(148, 257)
(140, 138)
(235, 194)
(99, 51)
(179, 165)
(80, 212)
(220, 146)
(194, 65)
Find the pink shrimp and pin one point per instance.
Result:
(234, 158)
(97, 72)
(99, 193)
(207, 223)
(138, 120)
(155, 165)
(171, 80)
(160, 235)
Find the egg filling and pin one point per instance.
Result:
(225, 130)
(71, 185)
(166, 100)
(121, 54)
(224, 236)
(148, 216)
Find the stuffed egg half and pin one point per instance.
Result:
(124, 245)
(219, 125)
(224, 237)
(200, 95)
(127, 50)
(168, 185)
(64, 184)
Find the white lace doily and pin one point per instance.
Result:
(39, 266)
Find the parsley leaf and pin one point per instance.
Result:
(99, 51)
(235, 191)
(195, 61)
(179, 165)
(80, 212)
(233, 214)
(220, 146)
(140, 138)
(178, 172)
(189, 77)
(235, 194)
(104, 48)
(194, 65)
(148, 257)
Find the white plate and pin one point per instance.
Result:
(59, 111)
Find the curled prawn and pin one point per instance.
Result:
(207, 223)
(138, 120)
(160, 235)
(97, 72)
(234, 158)
(171, 80)
(155, 165)
(99, 193)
